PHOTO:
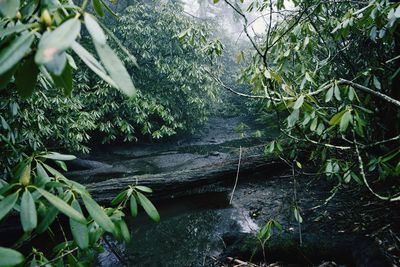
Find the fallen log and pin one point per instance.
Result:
(180, 183)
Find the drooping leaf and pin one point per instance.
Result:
(124, 230)
(57, 64)
(144, 189)
(10, 257)
(51, 215)
(133, 205)
(299, 102)
(119, 198)
(57, 41)
(9, 8)
(98, 8)
(344, 121)
(28, 212)
(79, 231)
(15, 51)
(64, 81)
(116, 69)
(26, 77)
(92, 63)
(94, 29)
(62, 206)
(58, 156)
(7, 204)
(98, 214)
(14, 29)
(148, 207)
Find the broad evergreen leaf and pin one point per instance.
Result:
(62, 206)
(28, 212)
(7, 203)
(133, 205)
(299, 102)
(9, 8)
(92, 63)
(94, 29)
(116, 69)
(12, 53)
(148, 207)
(58, 156)
(144, 189)
(79, 231)
(98, 8)
(10, 257)
(98, 214)
(57, 41)
(26, 77)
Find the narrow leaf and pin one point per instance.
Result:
(57, 41)
(15, 51)
(116, 69)
(28, 212)
(62, 206)
(10, 257)
(133, 205)
(148, 207)
(26, 77)
(94, 29)
(7, 204)
(98, 214)
(79, 231)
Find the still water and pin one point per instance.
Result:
(189, 234)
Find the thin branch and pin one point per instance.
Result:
(237, 174)
(370, 91)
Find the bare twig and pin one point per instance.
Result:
(237, 175)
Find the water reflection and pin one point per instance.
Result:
(189, 232)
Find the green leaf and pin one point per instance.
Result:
(297, 215)
(144, 189)
(14, 29)
(62, 206)
(7, 204)
(376, 82)
(299, 102)
(10, 257)
(79, 231)
(119, 198)
(329, 95)
(133, 205)
(64, 81)
(15, 51)
(58, 156)
(108, 9)
(337, 92)
(344, 121)
(92, 63)
(336, 118)
(123, 229)
(51, 215)
(5, 78)
(98, 214)
(314, 124)
(57, 64)
(28, 212)
(9, 8)
(216, 1)
(26, 77)
(57, 41)
(94, 29)
(98, 8)
(116, 69)
(148, 207)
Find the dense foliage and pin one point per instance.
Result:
(330, 73)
